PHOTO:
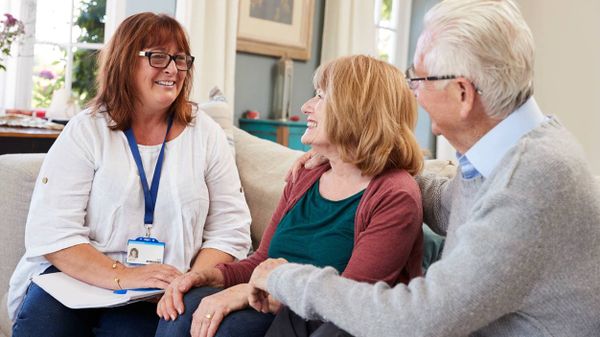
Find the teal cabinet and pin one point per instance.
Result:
(286, 133)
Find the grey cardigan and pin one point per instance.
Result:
(522, 256)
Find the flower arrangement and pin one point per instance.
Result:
(12, 29)
(45, 83)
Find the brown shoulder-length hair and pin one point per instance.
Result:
(370, 114)
(118, 62)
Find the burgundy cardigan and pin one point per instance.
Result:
(388, 240)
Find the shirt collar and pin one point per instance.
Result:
(489, 150)
(467, 169)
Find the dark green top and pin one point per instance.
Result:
(317, 231)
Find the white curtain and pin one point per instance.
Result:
(212, 28)
(15, 83)
(348, 29)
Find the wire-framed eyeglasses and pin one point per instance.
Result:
(161, 60)
(413, 82)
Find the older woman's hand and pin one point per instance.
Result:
(309, 160)
(171, 304)
(213, 309)
(259, 298)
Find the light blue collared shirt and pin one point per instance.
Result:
(483, 157)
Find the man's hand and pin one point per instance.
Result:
(309, 160)
(259, 298)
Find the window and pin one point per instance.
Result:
(59, 50)
(392, 25)
(68, 34)
(386, 32)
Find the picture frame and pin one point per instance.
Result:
(276, 27)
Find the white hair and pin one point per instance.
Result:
(485, 41)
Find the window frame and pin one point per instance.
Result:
(399, 27)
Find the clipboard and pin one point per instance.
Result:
(76, 294)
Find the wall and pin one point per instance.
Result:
(567, 70)
(425, 138)
(156, 6)
(255, 75)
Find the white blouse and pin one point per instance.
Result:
(89, 191)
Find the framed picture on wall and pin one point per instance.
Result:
(276, 27)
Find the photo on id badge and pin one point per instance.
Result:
(144, 251)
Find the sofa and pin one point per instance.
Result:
(262, 166)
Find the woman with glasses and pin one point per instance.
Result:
(143, 168)
(360, 213)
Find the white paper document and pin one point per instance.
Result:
(76, 294)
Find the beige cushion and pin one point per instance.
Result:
(222, 112)
(5, 324)
(440, 167)
(262, 165)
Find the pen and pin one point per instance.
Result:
(124, 291)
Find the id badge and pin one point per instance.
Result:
(145, 250)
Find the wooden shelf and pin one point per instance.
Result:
(28, 132)
(26, 140)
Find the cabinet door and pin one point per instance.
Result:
(295, 135)
(282, 132)
(260, 130)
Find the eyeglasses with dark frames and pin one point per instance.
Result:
(161, 60)
(413, 82)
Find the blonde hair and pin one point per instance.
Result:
(119, 59)
(370, 114)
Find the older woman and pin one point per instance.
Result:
(98, 194)
(361, 213)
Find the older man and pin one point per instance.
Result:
(522, 216)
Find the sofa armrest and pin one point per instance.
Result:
(18, 173)
(17, 178)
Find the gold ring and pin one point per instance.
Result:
(208, 316)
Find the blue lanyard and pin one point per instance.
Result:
(149, 193)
